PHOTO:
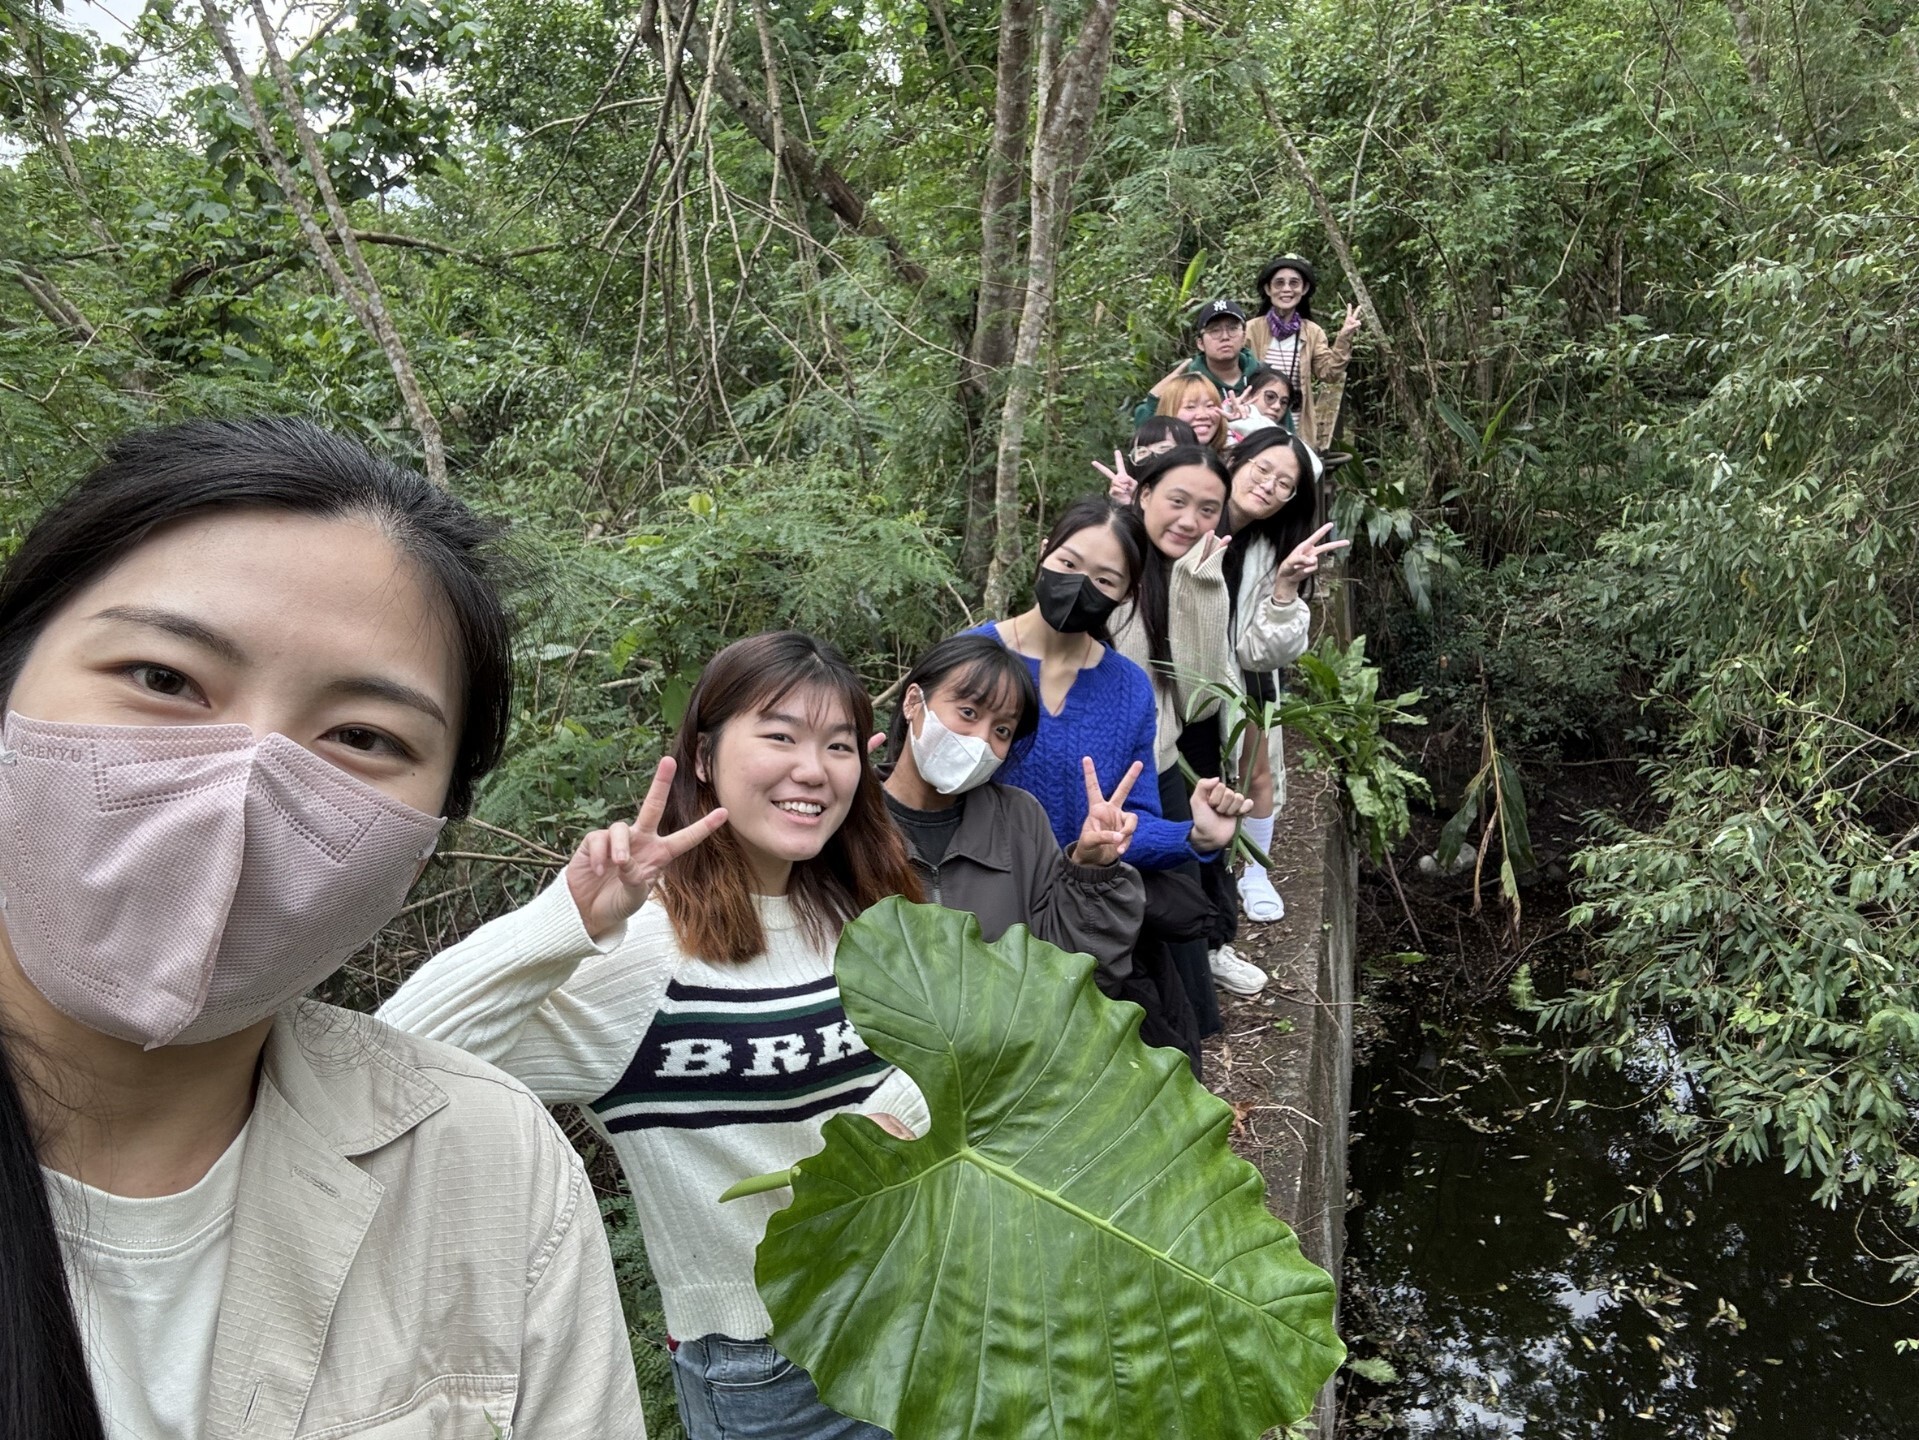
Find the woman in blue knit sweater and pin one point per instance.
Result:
(1098, 706)
(1094, 702)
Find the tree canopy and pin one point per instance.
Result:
(729, 306)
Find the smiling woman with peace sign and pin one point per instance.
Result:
(986, 848)
(677, 984)
(1271, 513)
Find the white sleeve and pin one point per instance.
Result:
(1196, 629)
(1275, 633)
(1246, 425)
(898, 1095)
(534, 994)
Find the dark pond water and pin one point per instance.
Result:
(1483, 1267)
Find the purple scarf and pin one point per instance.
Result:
(1279, 329)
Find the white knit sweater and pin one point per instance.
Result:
(696, 1074)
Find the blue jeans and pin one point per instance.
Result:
(746, 1390)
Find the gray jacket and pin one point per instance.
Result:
(1005, 867)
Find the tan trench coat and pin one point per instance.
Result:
(1322, 362)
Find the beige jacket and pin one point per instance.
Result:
(1321, 361)
(416, 1253)
(1197, 622)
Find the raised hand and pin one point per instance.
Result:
(1304, 561)
(614, 870)
(1216, 812)
(1119, 481)
(1350, 322)
(891, 1124)
(1109, 824)
(1211, 545)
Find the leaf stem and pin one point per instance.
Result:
(759, 1185)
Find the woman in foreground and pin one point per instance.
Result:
(249, 672)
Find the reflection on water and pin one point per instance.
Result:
(1481, 1258)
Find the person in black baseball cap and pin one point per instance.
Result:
(1219, 337)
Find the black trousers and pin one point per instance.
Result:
(1199, 742)
(1188, 957)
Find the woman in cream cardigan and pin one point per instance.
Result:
(1287, 339)
(1178, 630)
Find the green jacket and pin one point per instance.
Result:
(1248, 363)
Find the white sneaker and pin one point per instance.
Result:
(1234, 975)
(1257, 895)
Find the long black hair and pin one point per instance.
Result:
(1155, 577)
(45, 1390)
(1287, 526)
(150, 479)
(983, 671)
(1086, 513)
(156, 477)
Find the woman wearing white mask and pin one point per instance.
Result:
(987, 848)
(249, 671)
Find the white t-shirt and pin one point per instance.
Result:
(1283, 356)
(146, 1277)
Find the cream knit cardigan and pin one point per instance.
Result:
(1197, 625)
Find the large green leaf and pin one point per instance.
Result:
(1071, 1250)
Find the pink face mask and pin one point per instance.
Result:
(169, 883)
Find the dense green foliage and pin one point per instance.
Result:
(1633, 479)
(1074, 1199)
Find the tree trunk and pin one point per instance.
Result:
(425, 424)
(374, 321)
(1070, 105)
(48, 300)
(54, 126)
(1753, 57)
(801, 161)
(997, 312)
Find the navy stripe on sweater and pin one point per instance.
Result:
(717, 1056)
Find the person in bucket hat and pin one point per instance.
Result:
(1286, 338)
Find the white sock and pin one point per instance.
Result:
(1256, 893)
(1260, 832)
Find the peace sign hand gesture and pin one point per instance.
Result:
(614, 870)
(1304, 561)
(1350, 322)
(1119, 481)
(1109, 825)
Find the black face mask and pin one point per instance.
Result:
(1070, 603)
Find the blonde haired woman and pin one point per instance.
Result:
(1195, 399)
